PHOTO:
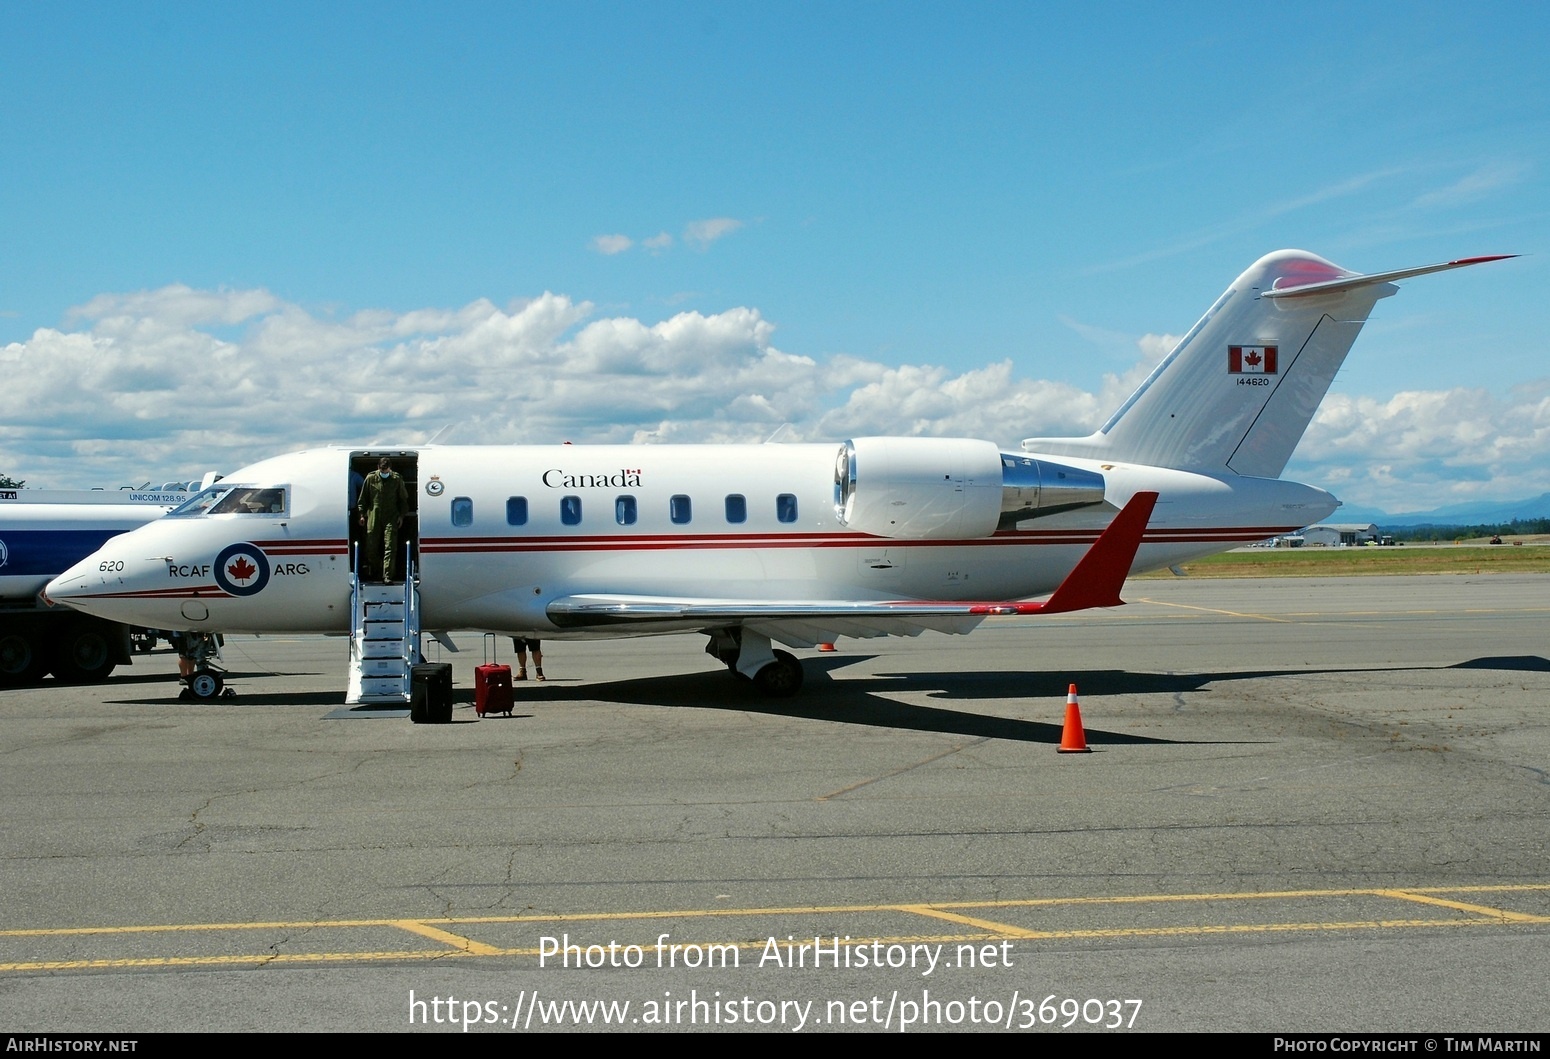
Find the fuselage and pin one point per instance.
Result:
(500, 532)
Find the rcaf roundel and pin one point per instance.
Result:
(1251, 360)
(242, 569)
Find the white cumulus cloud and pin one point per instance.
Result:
(170, 383)
(700, 234)
(612, 244)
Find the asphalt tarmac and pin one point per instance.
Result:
(1310, 805)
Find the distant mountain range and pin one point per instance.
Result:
(1451, 515)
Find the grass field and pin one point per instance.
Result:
(1344, 562)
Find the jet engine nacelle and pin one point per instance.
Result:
(949, 488)
(1032, 488)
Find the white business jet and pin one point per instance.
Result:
(793, 544)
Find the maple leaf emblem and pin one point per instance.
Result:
(241, 570)
(1252, 359)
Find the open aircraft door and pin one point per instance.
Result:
(384, 617)
(406, 463)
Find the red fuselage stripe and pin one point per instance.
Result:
(485, 545)
(183, 592)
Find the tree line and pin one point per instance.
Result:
(1430, 532)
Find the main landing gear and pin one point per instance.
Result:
(774, 673)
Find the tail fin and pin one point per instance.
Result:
(1239, 390)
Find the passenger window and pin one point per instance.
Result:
(570, 510)
(624, 510)
(737, 508)
(786, 507)
(516, 511)
(462, 511)
(679, 509)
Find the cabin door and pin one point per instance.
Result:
(406, 464)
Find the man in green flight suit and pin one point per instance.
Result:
(383, 504)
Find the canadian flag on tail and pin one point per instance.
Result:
(1251, 360)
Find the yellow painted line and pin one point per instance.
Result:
(172, 928)
(457, 941)
(780, 910)
(1462, 906)
(1488, 888)
(461, 946)
(259, 959)
(1212, 610)
(1248, 928)
(1359, 891)
(993, 927)
(230, 960)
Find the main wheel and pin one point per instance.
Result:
(205, 685)
(21, 662)
(782, 678)
(83, 655)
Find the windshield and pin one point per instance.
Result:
(233, 500)
(200, 502)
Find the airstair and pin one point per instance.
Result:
(384, 638)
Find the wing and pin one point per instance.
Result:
(1095, 581)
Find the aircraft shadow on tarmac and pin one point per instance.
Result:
(866, 702)
(167, 694)
(845, 702)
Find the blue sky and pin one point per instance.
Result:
(223, 222)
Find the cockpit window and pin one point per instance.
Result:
(200, 503)
(233, 500)
(248, 501)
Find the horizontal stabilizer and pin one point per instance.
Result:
(1239, 390)
(1349, 283)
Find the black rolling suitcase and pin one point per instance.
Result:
(430, 693)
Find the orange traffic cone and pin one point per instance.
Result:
(1072, 739)
(826, 647)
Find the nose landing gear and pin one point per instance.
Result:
(205, 685)
(203, 678)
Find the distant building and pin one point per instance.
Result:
(1338, 534)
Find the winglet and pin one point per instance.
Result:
(1097, 579)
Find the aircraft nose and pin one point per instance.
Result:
(69, 586)
(102, 584)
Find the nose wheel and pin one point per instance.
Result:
(206, 685)
(201, 651)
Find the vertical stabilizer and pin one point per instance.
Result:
(1240, 389)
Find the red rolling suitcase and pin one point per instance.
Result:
(492, 686)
